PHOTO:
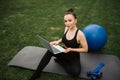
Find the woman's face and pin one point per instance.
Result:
(70, 21)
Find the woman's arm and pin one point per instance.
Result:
(56, 42)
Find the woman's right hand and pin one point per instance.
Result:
(54, 43)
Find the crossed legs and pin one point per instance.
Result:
(69, 61)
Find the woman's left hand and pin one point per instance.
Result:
(68, 50)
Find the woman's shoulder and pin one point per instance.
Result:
(80, 33)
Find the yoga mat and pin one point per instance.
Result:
(30, 56)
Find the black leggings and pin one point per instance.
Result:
(69, 61)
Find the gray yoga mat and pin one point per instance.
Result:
(30, 56)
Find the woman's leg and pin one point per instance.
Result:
(74, 68)
(45, 60)
(70, 62)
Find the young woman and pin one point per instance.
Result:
(74, 41)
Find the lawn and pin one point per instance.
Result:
(22, 20)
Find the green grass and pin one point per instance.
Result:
(22, 20)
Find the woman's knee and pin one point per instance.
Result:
(74, 71)
(49, 53)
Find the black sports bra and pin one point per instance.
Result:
(70, 43)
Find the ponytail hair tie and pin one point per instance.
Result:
(70, 10)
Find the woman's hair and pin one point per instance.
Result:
(71, 11)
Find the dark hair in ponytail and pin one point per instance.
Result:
(71, 11)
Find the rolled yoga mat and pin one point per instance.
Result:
(30, 56)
